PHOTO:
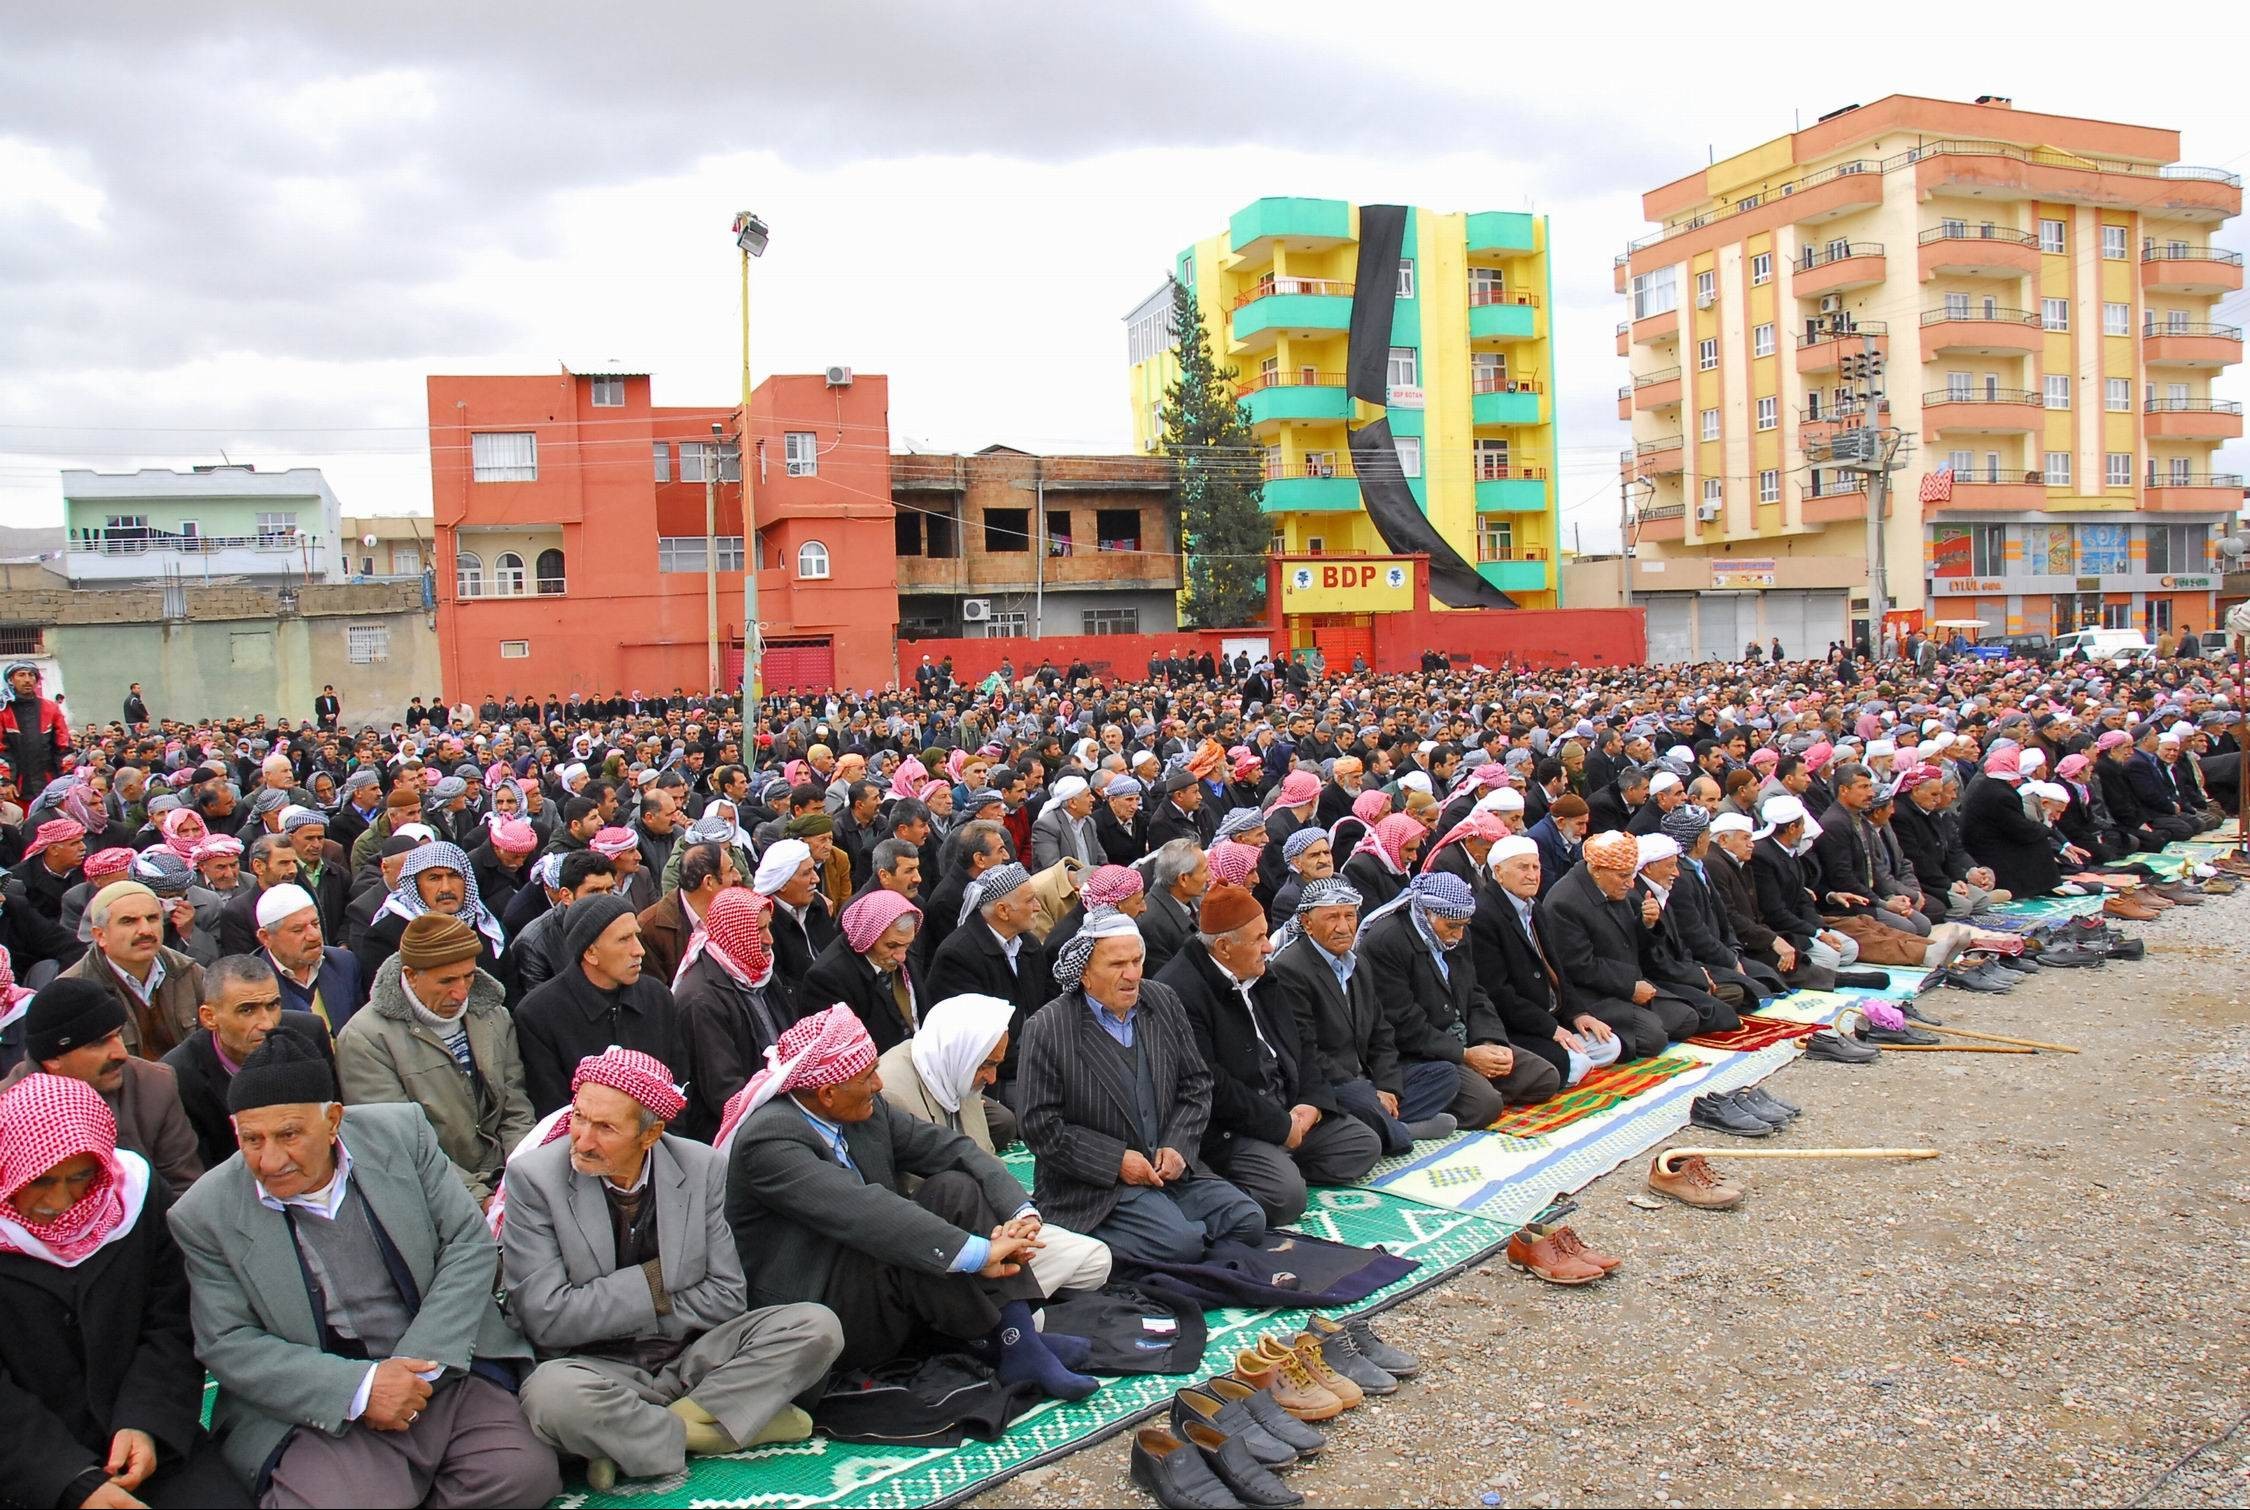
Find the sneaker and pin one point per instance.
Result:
(1721, 1115)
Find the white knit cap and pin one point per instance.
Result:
(285, 900)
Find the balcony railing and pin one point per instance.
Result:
(2191, 406)
(1500, 382)
(1266, 288)
(1834, 414)
(1276, 471)
(1289, 378)
(1661, 443)
(1489, 554)
(1483, 294)
(2001, 233)
(1821, 256)
(2195, 480)
(2151, 252)
(1994, 315)
(510, 586)
(1656, 513)
(1506, 471)
(1844, 333)
(1982, 396)
(102, 544)
(2000, 476)
(1752, 202)
(1651, 379)
(2191, 328)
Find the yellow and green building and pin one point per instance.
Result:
(1397, 368)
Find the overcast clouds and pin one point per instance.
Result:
(257, 227)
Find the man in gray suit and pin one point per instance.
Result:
(341, 1283)
(1064, 829)
(1114, 1097)
(621, 1270)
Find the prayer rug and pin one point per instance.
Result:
(1602, 1089)
(1756, 1032)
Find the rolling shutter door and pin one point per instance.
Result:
(1669, 640)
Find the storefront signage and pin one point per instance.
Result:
(1356, 584)
(1403, 396)
(1960, 586)
(1743, 573)
(2186, 584)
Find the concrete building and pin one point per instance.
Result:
(388, 545)
(2040, 291)
(971, 560)
(1397, 367)
(570, 544)
(213, 522)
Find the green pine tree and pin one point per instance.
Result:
(1223, 534)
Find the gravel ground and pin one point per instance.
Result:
(2053, 1313)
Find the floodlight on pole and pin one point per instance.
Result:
(750, 233)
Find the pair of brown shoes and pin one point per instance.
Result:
(2129, 907)
(1558, 1256)
(1298, 1377)
(1693, 1182)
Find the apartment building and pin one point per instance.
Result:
(144, 528)
(2042, 294)
(1005, 543)
(569, 524)
(1397, 368)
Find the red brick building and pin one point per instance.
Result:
(570, 533)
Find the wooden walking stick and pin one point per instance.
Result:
(1664, 1159)
(2034, 1043)
(1950, 1048)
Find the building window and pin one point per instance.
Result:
(504, 456)
(1007, 532)
(1492, 460)
(802, 453)
(468, 575)
(2117, 469)
(660, 454)
(2176, 547)
(365, 644)
(2054, 314)
(548, 575)
(507, 574)
(22, 639)
(1496, 540)
(1769, 486)
(684, 553)
(944, 533)
(1127, 620)
(2113, 243)
(812, 561)
(1409, 455)
(2117, 616)
(1761, 268)
(1713, 490)
(1706, 355)
(1405, 291)
(1656, 293)
(1706, 288)
(2117, 319)
(1708, 424)
(2051, 236)
(1761, 340)
(2159, 616)
(2058, 390)
(691, 461)
(1058, 532)
(2117, 395)
(276, 528)
(609, 393)
(1405, 369)
(2056, 472)
(515, 650)
(906, 533)
(1769, 413)
(1117, 529)
(1010, 624)
(1988, 550)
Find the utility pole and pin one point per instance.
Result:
(711, 559)
(1039, 559)
(1624, 538)
(1874, 451)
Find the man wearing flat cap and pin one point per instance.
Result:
(623, 1273)
(601, 997)
(437, 1032)
(342, 1297)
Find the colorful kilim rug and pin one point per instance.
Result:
(1602, 1089)
(1756, 1032)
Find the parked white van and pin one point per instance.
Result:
(2103, 645)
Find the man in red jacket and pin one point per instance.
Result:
(33, 731)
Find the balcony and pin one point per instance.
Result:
(1995, 411)
(1620, 272)
(2191, 343)
(1497, 400)
(1979, 251)
(1835, 267)
(1502, 231)
(2192, 419)
(1497, 314)
(1655, 458)
(1306, 224)
(1660, 523)
(1300, 394)
(1511, 489)
(1999, 170)
(1520, 571)
(1303, 307)
(1840, 503)
(1983, 330)
(1654, 392)
(1625, 402)
(101, 555)
(1821, 424)
(1994, 489)
(1324, 488)
(1811, 200)
(1624, 337)
(2193, 492)
(2177, 269)
(1823, 349)
(1656, 330)
(507, 584)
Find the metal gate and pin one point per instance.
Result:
(1339, 645)
(804, 665)
(1804, 622)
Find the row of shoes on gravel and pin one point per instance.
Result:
(1231, 1434)
(1752, 1112)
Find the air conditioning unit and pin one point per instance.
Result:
(975, 610)
(1705, 301)
(1707, 511)
(1831, 303)
(839, 377)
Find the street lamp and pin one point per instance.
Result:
(750, 237)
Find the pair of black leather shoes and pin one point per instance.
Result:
(1199, 1464)
(1836, 1049)
(1738, 1114)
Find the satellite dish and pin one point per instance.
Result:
(368, 540)
(2230, 546)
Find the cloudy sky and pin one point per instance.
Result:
(253, 229)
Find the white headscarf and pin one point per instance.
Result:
(779, 864)
(952, 1042)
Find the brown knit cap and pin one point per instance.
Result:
(400, 797)
(434, 939)
(1225, 908)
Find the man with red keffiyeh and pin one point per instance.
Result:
(621, 1269)
(731, 1005)
(98, 1379)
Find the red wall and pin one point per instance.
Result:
(1122, 656)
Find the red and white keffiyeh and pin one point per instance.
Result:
(44, 1120)
(644, 1077)
(867, 919)
(732, 933)
(1387, 841)
(827, 1048)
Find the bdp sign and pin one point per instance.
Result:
(1347, 584)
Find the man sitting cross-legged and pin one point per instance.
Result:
(622, 1271)
(815, 1159)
